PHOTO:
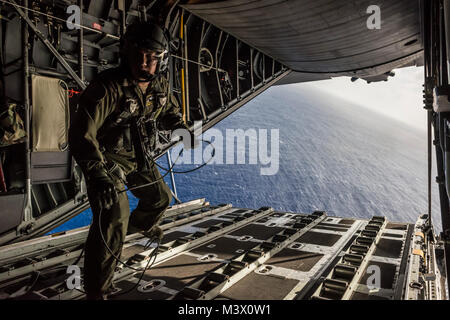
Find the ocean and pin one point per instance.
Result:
(334, 156)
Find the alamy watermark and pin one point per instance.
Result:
(74, 279)
(235, 147)
(74, 20)
(374, 280)
(374, 20)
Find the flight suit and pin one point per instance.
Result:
(100, 143)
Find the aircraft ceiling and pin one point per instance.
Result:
(322, 38)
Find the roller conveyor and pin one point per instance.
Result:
(221, 252)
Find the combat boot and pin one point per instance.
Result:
(155, 233)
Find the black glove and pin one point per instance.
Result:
(104, 192)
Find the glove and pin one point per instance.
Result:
(104, 192)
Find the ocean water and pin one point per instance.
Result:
(333, 156)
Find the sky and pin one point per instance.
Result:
(400, 97)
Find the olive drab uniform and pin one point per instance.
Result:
(101, 140)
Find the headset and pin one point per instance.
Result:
(147, 35)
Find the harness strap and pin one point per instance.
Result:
(137, 133)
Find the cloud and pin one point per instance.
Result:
(400, 97)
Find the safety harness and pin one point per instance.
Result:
(136, 128)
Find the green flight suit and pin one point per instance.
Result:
(97, 145)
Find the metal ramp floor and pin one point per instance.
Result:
(220, 252)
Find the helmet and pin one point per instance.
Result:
(147, 35)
